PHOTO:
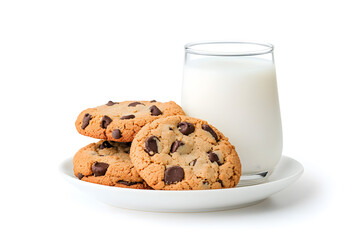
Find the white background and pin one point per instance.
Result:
(60, 57)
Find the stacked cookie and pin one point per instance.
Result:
(149, 144)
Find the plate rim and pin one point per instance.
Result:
(63, 166)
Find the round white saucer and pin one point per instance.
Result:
(287, 172)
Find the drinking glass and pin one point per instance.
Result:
(232, 85)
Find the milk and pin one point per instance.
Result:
(239, 97)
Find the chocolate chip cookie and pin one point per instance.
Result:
(120, 121)
(183, 153)
(107, 163)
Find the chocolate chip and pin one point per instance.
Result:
(86, 120)
(186, 128)
(193, 162)
(80, 176)
(110, 103)
(134, 104)
(221, 182)
(99, 168)
(105, 144)
(173, 175)
(153, 101)
(205, 183)
(126, 183)
(170, 128)
(116, 133)
(214, 158)
(176, 145)
(105, 121)
(155, 111)
(151, 145)
(127, 117)
(210, 130)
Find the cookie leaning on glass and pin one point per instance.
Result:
(184, 153)
(121, 121)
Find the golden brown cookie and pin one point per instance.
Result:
(107, 163)
(120, 121)
(181, 153)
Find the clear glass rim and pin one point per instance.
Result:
(268, 48)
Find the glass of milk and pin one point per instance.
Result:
(232, 85)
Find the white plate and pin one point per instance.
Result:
(287, 172)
